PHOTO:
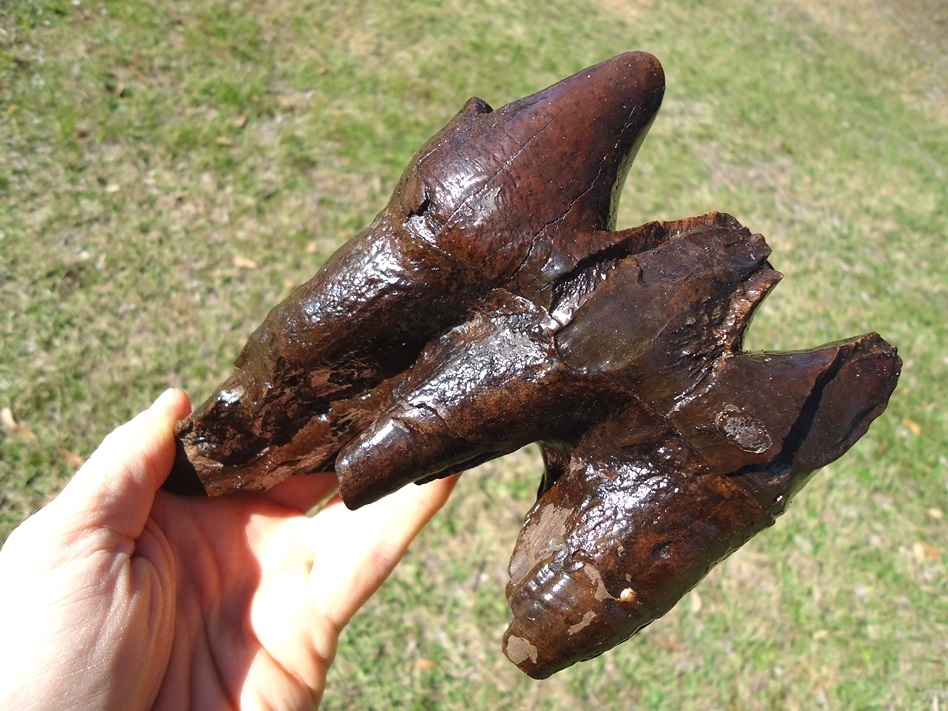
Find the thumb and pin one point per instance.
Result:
(115, 489)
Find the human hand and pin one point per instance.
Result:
(120, 595)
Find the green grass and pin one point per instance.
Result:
(170, 170)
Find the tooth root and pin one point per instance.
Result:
(807, 407)
(646, 522)
(483, 390)
(655, 502)
(402, 447)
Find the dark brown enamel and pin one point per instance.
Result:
(492, 304)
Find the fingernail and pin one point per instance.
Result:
(164, 398)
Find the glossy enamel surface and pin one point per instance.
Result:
(493, 304)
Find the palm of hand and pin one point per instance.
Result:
(143, 598)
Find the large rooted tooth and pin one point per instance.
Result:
(492, 304)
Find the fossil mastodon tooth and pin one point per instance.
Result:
(491, 304)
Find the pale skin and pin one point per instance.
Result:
(120, 595)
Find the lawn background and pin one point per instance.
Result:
(169, 170)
